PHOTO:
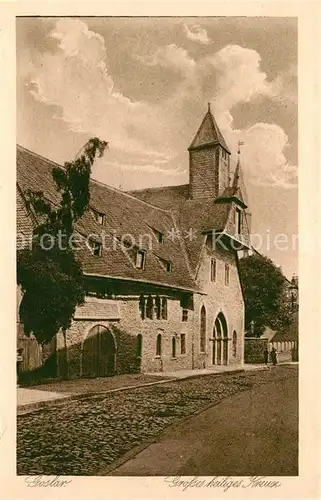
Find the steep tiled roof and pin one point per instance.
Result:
(125, 214)
(198, 216)
(168, 210)
(208, 133)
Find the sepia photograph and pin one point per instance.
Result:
(157, 248)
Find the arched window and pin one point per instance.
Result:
(159, 345)
(234, 343)
(139, 345)
(220, 343)
(203, 330)
(173, 347)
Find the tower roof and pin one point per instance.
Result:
(208, 133)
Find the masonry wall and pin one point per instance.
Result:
(125, 332)
(217, 297)
(227, 299)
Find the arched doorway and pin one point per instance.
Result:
(220, 341)
(99, 353)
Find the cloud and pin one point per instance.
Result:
(197, 34)
(263, 155)
(171, 57)
(75, 78)
(239, 79)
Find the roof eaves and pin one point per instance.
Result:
(162, 284)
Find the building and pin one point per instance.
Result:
(164, 293)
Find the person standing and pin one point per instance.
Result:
(273, 357)
(266, 356)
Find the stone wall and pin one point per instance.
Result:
(218, 297)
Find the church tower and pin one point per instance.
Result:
(209, 160)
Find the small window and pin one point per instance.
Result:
(213, 269)
(159, 236)
(227, 274)
(99, 216)
(95, 247)
(140, 259)
(164, 308)
(158, 307)
(166, 264)
(185, 315)
(149, 307)
(183, 343)
(142, 306)
(173, 347)
(159, 345)
(238, 221)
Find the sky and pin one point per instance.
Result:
(143, 85)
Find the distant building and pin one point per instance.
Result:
(165, 294)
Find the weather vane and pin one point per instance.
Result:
(240, 143)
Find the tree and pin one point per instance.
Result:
(49, 273)
(266, 303)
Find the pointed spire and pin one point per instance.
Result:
(208, 133)
(238, 184)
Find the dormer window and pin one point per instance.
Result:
(238, 221)
(159, 236)
(167, 265)
(99, 217)
(95, 247)
(140, 259)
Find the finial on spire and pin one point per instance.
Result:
(209, 107)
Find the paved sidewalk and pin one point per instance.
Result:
(182, 374)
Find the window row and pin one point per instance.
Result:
(156, 308)
(153, 307)
(182, 344)
(214, 272)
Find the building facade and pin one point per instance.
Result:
(163, 291)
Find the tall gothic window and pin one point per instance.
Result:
(173, 347)
(159, 345)
(203, 330)
(139, 347)
(234, 343)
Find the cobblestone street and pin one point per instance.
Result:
(82, 437)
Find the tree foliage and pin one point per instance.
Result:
(264, 287)
(49, 273)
